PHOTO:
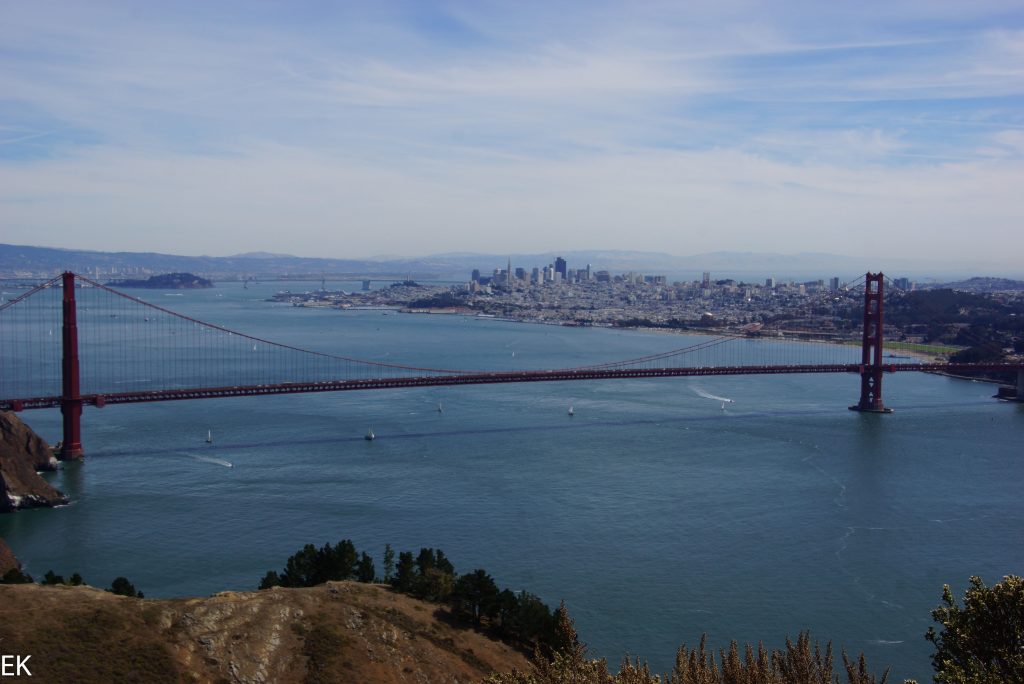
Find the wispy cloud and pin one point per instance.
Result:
(496, 126)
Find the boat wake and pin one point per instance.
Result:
(707, 395)
(215, 461)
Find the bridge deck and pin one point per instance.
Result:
(485, 378)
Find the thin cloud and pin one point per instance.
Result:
(678, 127)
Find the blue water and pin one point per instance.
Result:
(652, 512)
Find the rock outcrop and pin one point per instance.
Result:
(22, 454)
(336, 632)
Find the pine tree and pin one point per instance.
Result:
(271, 579)
(389, 563)
(365, 572)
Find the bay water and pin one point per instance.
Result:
(655, 514)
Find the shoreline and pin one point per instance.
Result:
(908, 353)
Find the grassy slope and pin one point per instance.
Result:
(338, 632)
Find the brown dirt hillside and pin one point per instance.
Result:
(337, 632)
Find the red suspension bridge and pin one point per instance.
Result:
(129, 351)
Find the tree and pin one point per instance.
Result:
(405, 575)
(443, 564)
(571, 666)
(475, 595)
(389, 563)
(565, 639)
(436, 585)
(983, 642)
(50, 578)
(122, 587)
(335, 563)
(533, 620)
(16, 576)
(508, 607)
(301, 568)
(271, 579)
(365, 572)
(434, 576)
(425, 561)
(76, 580)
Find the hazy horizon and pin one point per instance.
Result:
(368, 129)
(457, 265)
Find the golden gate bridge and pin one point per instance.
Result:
(72, 342)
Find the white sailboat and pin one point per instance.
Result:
(571, 412)
(209, 436)
(440, 409)
(369, 437)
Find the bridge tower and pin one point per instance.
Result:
(871, 347)
(71, 399)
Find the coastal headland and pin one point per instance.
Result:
(334, 632)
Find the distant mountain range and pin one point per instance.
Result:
(751, 266)
(982, 285)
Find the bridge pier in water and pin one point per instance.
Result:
(71, 399)
(871, 347)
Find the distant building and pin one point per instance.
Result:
(769, 283)
(476, 275)
(560, 267)
(604, 277)
(535, 277)
(520, 274)
(706, 280)
(589, 277)
(833, 284)
(903, 284)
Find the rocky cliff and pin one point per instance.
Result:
(22, 454)
(337, 632)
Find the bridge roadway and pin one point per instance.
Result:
(486, 378)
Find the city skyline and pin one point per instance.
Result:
(402, 129)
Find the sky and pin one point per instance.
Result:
(352, 129)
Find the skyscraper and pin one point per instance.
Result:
(560, 266)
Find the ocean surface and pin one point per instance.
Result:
(654, 513)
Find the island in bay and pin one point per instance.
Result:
(167, 281)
